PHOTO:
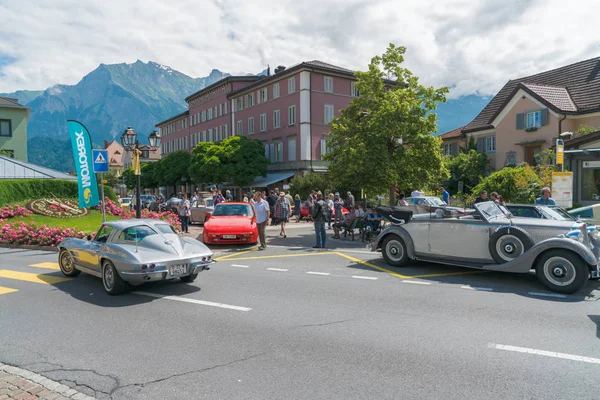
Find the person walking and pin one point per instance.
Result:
(445, 195)
(262, 211)
(319, 217)
(184, 213)
(282, 212)
(545, 197)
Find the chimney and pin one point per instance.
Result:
(279, 69)
(268, 70)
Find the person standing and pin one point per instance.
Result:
(349, 200)
(262, 211)
(319, 217)
(482, 197)
(331, 210)
(228, 196)
(445, 195)
(218, 198)
(402, 200)
(545, 197)
(297, 206)
(184, 213)
(282, 213)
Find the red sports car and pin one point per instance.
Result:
(231, 223)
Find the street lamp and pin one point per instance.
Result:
(131, 144)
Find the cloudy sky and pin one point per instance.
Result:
(472, 46)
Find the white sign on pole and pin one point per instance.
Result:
(562, 189)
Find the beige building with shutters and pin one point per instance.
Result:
(528, 114)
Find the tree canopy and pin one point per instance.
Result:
(237, 159)
(383, 138)
(305, 184)
(170, 169)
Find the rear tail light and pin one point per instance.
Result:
(209, 257)
(203, 258)
(152, 266)
(144, 266)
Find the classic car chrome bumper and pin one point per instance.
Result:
(161, 273)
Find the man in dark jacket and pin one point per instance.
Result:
(272, 199)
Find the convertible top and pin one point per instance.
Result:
(395, 213)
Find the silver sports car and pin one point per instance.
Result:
(134, 251)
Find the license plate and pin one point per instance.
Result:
(175, 270)
(229, 236)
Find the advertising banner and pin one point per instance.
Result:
(81, 143)
(562, 189)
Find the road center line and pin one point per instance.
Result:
(364, 277)
(318, 273)
(278, 269)
(417, 282)
(193, 301)
(545, 353)
(240, 266)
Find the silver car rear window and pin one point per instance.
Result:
(165, 228)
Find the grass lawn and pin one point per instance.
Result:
(88, 224)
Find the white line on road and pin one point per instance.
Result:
(193, 301)
(318, 273)
(417, 282)
(364, 277)
(560, 296)
(278, 269)
(553, 354)
(485, 289)
(240, 266)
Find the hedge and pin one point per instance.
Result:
(19, 190)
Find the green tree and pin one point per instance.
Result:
(305, 184)
(110, 177)
(383, 138)
(147, 179)
(585, 129)
(237, 159)
(171, 169)
(467, 167)
(129, 177)
(545, 166)
(515, 185)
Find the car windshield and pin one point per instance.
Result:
(436, 202)
(225, 209)
(209, 202)
(165, 228)
(136, 233)
(125, 201)
(557, 214)
(490, 210)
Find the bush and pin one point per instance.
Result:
(19, 190)
(515, 185)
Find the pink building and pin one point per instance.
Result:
(288, 111)
(175, 133)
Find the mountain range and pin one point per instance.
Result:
(115, 96)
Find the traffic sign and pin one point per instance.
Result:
(100, 158)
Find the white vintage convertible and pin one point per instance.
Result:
(492, 239)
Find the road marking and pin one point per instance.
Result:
(417, 282)
(278, 269)
(368, 264)
(545, 353)
(560, 296)
(240, 266)
(36, 278)
(47, 265)
(364, 277)
(318, 273)
(234, 254)
(282, 256)
(485, 289)
(193, 301)
(6, 290)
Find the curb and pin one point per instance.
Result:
(25, 247)
(49, 384)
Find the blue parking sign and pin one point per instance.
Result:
(100, 158)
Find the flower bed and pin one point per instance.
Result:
(21, 233)
(113, 208)
(57, 208)
(14, 211)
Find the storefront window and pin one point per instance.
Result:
(591, 184)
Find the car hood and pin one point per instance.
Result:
(228, 223)
(537, 222)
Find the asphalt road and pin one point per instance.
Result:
(296, 323)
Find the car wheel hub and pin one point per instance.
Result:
(66, 262)
(559, 271)
(509, 247)
(395, 250)
(108, 277)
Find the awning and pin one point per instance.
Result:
(263, 182)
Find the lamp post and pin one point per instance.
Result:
(131, 144)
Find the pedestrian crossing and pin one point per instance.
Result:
(48, 278)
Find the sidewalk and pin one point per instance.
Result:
(19, 384)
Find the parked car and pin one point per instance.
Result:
(148, 201)
(540, 211)
(492, 239)
(231, 223)
(589, 214)
(201, 210)
(429, 204)
(134, 251)
(126, 203)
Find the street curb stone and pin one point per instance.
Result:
(22, 246)
(31, 378)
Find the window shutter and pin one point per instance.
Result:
(323, 147)
(544, 116)
(481, 145)
(454, 149)
(272, 152)
(520, 123)
(267, 151)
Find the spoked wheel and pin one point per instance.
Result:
(66, 264)
(394, 251)
(113, 284)
(562, 271)
(506, 244)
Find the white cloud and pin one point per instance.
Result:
(470, 45)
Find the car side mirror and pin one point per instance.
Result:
(89, 237)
